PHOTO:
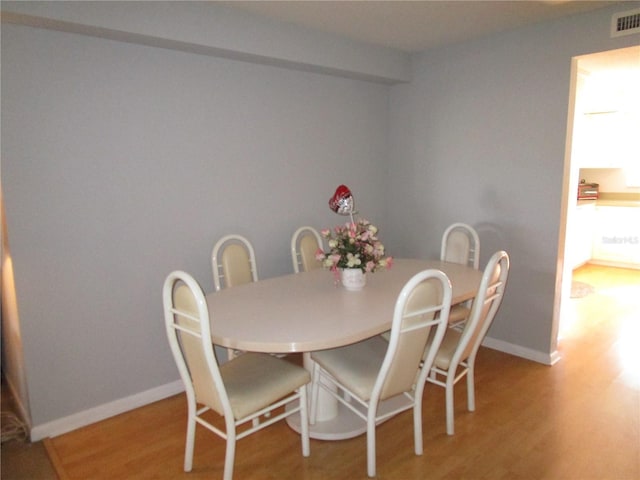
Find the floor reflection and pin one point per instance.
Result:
(628, 349)
(612, 311)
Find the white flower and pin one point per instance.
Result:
(353, 245)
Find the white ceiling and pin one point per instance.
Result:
(414, 26)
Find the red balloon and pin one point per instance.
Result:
(342, 201)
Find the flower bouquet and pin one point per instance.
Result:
(353, 245)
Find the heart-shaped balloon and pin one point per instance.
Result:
(342, 201)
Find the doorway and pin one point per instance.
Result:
(605, 112)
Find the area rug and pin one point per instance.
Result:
(581, 289)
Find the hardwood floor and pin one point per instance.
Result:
(579, 419)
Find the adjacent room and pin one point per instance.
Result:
(135, 135)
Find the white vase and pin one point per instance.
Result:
(353, 279)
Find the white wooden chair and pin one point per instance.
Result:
(457, 354)
(305, 242)
(241, 390)
(387, 377)
(460, 244)
(233, 262)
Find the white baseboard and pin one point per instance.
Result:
(96, 414)
(101, 412)
(523, 352)
(609, 263)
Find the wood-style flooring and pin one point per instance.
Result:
(576, 420)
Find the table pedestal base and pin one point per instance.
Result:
(345, 424)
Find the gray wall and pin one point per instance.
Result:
(480, 132)
(121, 162)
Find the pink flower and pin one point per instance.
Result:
(353, 245)
(387, 262)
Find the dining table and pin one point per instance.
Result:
(309, 311)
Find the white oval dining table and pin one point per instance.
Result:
(308, 311)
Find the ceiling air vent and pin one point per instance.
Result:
(625, 23)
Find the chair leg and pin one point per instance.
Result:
(371, 445)
(189, 443)
(230, 454)
(304, 421)
(417, 426)
(471, 392)
(449, 402)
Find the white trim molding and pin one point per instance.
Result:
(523, 352)
(102, 412)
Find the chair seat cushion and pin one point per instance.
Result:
(256, 380)
(447, 349)
(355, 366)
(458, 313)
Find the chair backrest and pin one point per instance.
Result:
(189, 332)
(460, 244)
(233, 261)
(421, 311)
(484, 307)
(305, 243)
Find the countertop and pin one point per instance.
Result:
(611, 199)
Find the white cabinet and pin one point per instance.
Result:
(607, 119)
(581, 235)
(606, 140)
(616, 239)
